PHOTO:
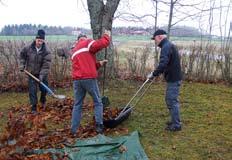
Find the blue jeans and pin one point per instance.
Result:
(172, 93)
(80, 89)
(32, 84)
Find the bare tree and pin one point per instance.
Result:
(101, 17)
(180, 11)
(172, 3)
(1, 2)
(155, 28)
(226, 57)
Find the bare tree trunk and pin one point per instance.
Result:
(229, 44)
(156, 18)
(96, 11)
(209, 45)
(101, 16)
(226, 58)
(170, 17)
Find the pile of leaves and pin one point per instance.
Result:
(17, 86)
(13, 86)
(64, 83)
(50, 128)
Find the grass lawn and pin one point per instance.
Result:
(206, 111)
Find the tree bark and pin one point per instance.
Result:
(101, 17)
(170, 17)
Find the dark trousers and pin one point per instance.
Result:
(32, 84)
(172, 94)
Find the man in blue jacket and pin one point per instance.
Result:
(170, 66)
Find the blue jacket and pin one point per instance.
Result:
(169, 62)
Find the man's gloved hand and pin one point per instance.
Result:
(21, 68)
(107, 32)
(150, 76)
(41, 77)
(103, 62)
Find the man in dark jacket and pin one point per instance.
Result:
(84, 75)
(36, 58)
(170, 66)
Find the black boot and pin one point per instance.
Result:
(99, 128)
(34, 109)
(172, 128)
(168, 123)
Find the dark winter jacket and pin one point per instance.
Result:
(169, 62)
(38, 63)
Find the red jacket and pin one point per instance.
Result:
(84, 63)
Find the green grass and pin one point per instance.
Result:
(205, 111)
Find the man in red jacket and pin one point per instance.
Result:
(84, 74)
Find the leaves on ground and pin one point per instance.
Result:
(25, 131)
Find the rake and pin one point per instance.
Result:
(125, 112)
(61, 97)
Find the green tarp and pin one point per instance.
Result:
(101, 147)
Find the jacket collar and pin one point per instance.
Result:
(33, 46)
(163, 42)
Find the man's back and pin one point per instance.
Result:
(173, 71)
(84, 63)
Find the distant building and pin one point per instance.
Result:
(76, 32)
(138, 32)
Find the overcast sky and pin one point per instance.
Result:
(56, 12)
(73, 13)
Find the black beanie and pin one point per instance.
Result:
(158, 32)
(40, 34)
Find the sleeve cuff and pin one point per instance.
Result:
(155, 73)
(98, 65)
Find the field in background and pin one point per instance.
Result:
(120, 38)
(122, 42)
(134, 56)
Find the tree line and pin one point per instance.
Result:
(29, 29)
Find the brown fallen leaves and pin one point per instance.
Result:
(13, 86)
(1, 114)
(25, 132)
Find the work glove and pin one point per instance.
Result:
(150, 76)
(41, 77)
(103, 62)
(21, 68)
(107, 32)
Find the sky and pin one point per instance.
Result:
(75, 13)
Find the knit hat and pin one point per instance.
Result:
(158, 32)
(40, 34)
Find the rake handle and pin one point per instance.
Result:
(134, 97)
(104, 74)
(32, 76)
(39, 81)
